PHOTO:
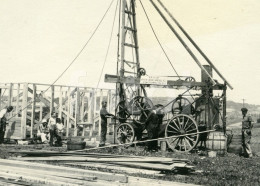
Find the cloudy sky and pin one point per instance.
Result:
(39, 39)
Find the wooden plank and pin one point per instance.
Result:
(94, 108)
(24, 110)
(77, 112)
(39, 166)
(49, 175)
(10, 94)
(60, 103)
(17, 99)
(52, 100)
(118, 168)
(68, 111)
(33, 109)
(41, 110)
(93, 159)
(100, 106)
(33, 179)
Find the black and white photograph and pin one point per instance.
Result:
(129, 92)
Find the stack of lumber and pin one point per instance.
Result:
(118, 163)
(14, 172)
(36, 173)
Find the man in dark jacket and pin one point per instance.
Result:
(104, 115)
(3, 122)
(246, 132)
(152, 124)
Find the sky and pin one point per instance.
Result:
(40, 38)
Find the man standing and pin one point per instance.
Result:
(52, 127)
(246, 132)
(3, 122)
(104, 115)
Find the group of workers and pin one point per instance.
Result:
(151, 123)
(51, 129)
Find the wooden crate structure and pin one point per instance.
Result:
(78, 107)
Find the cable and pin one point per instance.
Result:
(158, 40)
(33, 100)
(108, 45)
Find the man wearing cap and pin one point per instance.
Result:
(3, 122)
(104, 115)
(43, 131)
(246, 132)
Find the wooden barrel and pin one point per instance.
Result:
(216, 141)
(236, 144)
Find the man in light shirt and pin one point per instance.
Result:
(43, 131)
(3, 122)
(52, 127)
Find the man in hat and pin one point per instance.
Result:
(246, 132)
(3, 122)
(104, 115)
(43, 131)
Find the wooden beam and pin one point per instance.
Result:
(41, 110)
(17, 99)
(48, 175)
(122, 169)
(39, 166)
(68, 111)
(24, 110)
(60, 103)
(10, 94)
(100, 106)
(94, 108)
(52, 100)
(169, 84)
(33, 109)
(77, 112)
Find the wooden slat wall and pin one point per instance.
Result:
(87, 105)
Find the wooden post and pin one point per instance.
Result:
(225, 108)
(60, 103)
(52, 100)
(68, 112)
(10, 94)
(94, 108)
(100, 106)
(33, 109)
(17, 100)
(24, 110)
(77, 108)
(41, 111)
(82, 110)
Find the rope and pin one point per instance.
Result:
(84, 46)
(108, 45)
(136, 142)
(159, 40)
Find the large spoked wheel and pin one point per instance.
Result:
(125, 133)
(185, 126)
(140, 105)
(121, 111)
(182, 105)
